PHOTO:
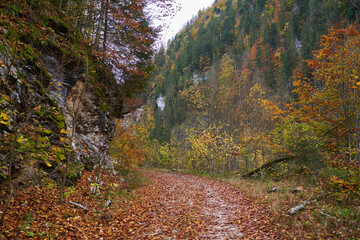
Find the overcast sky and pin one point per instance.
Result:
(189, 8)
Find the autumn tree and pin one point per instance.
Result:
(232, 62)
(327, 111)
(132, 143)
(330, 100)
(228, 87)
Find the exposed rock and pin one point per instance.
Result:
(23, 176)
(275, 189)
(15, 97)
(94, 189)
(63, 86)
(59, 89)
(298, 46)
(107, 203)
(93, 128)
(160, 101)
(296, 190)
(47, 87)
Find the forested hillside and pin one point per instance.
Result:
(236, 44)
(260, 87)
(247, 82)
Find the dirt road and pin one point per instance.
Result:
(178, 206)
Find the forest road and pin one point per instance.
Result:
(180, 206)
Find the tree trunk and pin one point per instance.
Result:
(106, 24)
(268, 164)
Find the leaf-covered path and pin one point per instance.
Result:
(178, 206)
(170, 206)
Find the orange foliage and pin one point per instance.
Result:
(126, 149)
(277, 4)
(252, 54)
(330, 101)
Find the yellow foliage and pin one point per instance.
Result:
(4, 119)
(132, 144)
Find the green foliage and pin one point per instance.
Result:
(168, 154)
(343, 181)
(226, 70)
(70, 190)
(74, 172)
(301, 140)
(133, 179)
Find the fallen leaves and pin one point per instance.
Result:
(173, 206)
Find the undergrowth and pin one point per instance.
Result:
(323, 218)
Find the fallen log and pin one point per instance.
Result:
(327, 215)
(305, 203)
(268, 164)
(299, 207)
(79, 205)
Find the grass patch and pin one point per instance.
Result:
(133, 179)
(322, 219)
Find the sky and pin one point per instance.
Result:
(189, 8)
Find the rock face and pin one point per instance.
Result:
(56, 93)
(64, 99)
(90, 127)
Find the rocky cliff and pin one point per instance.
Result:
(65, 69)
(90, 127)
(61, 103)
(55, 99)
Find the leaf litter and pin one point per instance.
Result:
(171, 206)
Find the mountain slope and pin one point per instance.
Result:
(220, 71)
